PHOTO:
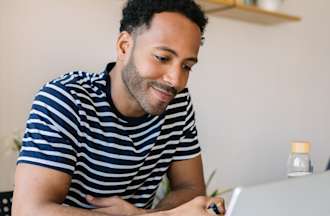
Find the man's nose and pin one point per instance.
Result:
(176, 78)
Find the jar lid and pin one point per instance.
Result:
(300, 147)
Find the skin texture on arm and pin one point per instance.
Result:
(40, 191)
(187, 181)
(195, 207)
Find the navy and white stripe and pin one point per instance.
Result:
(74, 127)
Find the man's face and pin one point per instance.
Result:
(162, 57)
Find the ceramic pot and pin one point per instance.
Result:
(272, 5)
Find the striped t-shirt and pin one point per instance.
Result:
(74, 127)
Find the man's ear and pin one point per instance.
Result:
(124, 46)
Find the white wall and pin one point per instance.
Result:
(255, 89)
(259, 87)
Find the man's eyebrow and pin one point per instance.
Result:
(194, 59)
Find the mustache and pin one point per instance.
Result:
(169, 89)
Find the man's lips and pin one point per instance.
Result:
(162, 94)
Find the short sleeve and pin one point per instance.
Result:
(189, 146)
(50, 138)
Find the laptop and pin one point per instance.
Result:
(304, 196)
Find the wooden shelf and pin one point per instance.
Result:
(235, 10)
(210, 6)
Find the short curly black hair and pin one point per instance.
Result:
(137, 13)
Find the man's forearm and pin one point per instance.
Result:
(54, 209)
(179, 196)
(174, 199)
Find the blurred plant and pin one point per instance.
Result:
(10, 144)
(208, 182)
(163, 189)
(216, 192)
(17, 141)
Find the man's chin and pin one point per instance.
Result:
(156, 110)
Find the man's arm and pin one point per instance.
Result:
(196, 207)
(187, 181)
(40, 191)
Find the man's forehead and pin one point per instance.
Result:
(170, 28)
(172, 19)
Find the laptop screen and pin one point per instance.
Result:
(304, 196)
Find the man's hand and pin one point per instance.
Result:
(114, 206)
(198, 207)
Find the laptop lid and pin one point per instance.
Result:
(304, 196)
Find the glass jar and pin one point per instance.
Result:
(299, 161)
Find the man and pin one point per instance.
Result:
(99, 144)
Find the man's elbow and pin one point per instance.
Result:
(29, 209)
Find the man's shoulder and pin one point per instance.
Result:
(77, 78)
(77, 86)
(79, 81)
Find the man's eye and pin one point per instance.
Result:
(186, 67)
(161, 58)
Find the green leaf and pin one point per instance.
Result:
(208, 182)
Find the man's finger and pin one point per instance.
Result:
(218, 205)
(221, 205)
(99, 202)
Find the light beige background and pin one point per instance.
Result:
(255, 89)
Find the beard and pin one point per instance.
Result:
(139, 87)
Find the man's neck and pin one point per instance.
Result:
(125, 103)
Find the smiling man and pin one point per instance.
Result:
(99, 144)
